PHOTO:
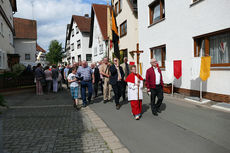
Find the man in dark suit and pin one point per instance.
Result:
(97, 78)
(116, 80)
(154, 84)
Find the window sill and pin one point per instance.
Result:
(194, 3)
(220, 68)
(154, 23)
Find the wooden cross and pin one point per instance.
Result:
(138, 52)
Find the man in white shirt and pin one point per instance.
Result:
(154, 84)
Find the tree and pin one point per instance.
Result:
(55, 53)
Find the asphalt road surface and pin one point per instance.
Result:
(182, 127)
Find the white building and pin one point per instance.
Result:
(67, 56)
(98, 32)
(179, 30)
(127, 22)
(41, 56)
(7, 9)
(25, 40)
(78, 37)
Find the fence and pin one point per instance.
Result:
(9, 81)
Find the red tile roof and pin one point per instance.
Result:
(25, 28)
(83, 23)
(39, 49)
(101, 15)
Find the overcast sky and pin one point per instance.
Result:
(52, 16)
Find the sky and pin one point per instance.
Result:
(52, 16)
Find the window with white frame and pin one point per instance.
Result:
(78, 44)
(1, 28)
(77, 30)
(88, 57)
(27, 56)
(72, 46)
(101, 49)
(95, 51)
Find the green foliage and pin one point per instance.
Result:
(17, 69)
(55, 53)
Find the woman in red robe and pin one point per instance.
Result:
(135, 83)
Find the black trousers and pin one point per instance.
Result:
(157, 92)
(95, 86)
(117, 89)
(124, 89)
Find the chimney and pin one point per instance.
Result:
(87, 15)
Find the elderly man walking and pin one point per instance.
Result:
(154, 84)
(85, 74)
(104, 71)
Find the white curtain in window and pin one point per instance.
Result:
(157, 12)
(220, 49)
(157, 56)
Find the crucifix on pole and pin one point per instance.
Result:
(138, 52)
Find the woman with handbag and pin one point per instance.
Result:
(39, 76)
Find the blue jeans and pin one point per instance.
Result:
(84, 85)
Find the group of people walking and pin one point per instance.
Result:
(47, 78)
(80, 77)
(118, 78)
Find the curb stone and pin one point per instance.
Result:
(109, 137)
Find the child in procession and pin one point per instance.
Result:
(72, 79)
(135, 92)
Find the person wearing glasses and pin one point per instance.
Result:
(116, 80)
(154, 84)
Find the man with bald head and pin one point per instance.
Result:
(85, 74)
(154, 84)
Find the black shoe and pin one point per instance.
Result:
(105, 101)
(118, 106)
(158, 110)
(155, 113)
(84, 105)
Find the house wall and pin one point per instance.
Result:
(84, 38)
(130, 40)
(97, 52)
(26, 46)
(182, 22)
(6, 35)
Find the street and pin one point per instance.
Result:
(180, 128)
(48, 124)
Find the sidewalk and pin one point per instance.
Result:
(50, 124)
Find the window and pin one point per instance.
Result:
(95, 51)
(1, 29)
(79, 58)
(10, 38)
(78, 44)
(88, 57)
(159, 53)
(120, 6)
(116, 9)
(156, 11)
(1, 60)
(73, 59)
(216, 45)
(100, 49)
(72, 46)
(27, 56)
(72, 32)
(123, 29)
(77, 30)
